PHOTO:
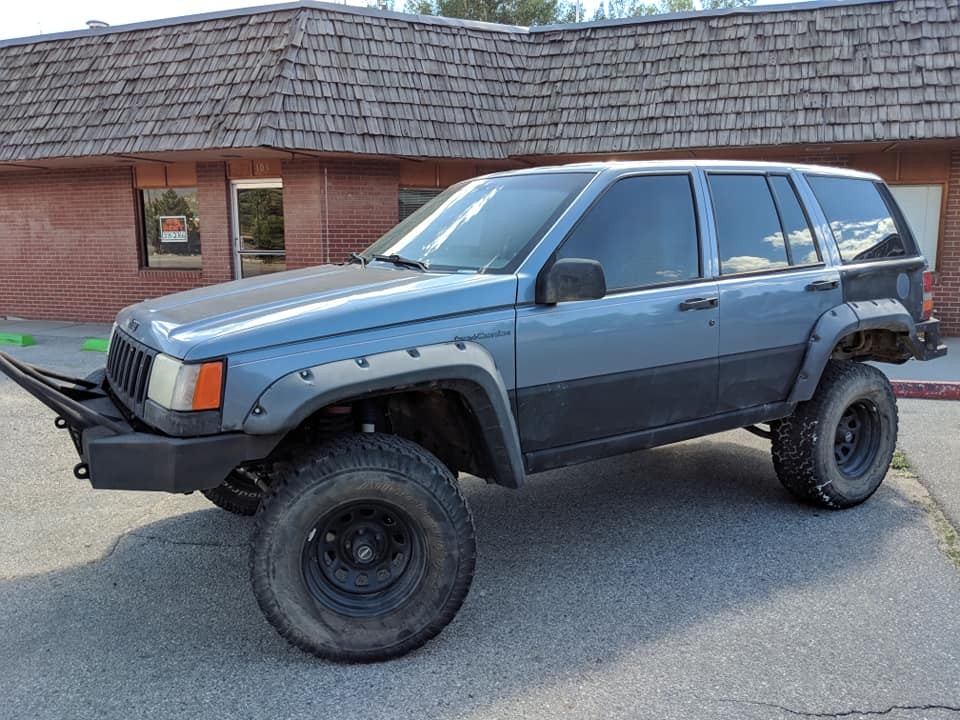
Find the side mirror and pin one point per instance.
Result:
(571, 279)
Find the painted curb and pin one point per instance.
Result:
(16, 339)
(926, 389)
(95, 344)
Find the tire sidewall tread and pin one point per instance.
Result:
(234, 499)
(386, 465)
(803, 444)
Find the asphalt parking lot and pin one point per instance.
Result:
(681, 582)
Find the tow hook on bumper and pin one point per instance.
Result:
(114, 455)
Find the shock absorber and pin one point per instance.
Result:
(367, 416)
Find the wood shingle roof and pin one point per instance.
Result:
(846, 73)
(327, 78)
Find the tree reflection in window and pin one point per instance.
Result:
(167, 249)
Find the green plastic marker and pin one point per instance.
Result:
(16, 339)
(96, 344)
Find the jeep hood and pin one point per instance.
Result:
(301, 305)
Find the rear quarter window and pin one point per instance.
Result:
(861, 219)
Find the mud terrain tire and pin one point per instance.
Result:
(834, 451)
(364, 549)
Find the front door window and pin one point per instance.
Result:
(258, 228)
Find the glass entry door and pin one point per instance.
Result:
(258, 227)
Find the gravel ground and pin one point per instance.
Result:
(681, 582)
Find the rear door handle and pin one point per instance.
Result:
(823, 285)
(699, 303)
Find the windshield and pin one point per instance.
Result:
(483, 225)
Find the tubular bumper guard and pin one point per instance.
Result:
(113, 455)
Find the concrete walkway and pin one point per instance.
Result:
(55, 328)
(945, 369)
(930, 437)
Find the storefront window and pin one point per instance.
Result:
(412, 199)
(171, 231)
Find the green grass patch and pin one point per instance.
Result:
(16, 339)
(948, 539)
(95, 344)
(899, 461)
(946, 534)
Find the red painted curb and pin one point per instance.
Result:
(926, 390)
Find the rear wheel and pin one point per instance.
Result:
(834, 451)
(364, 549)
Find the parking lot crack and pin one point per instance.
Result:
(843, 713)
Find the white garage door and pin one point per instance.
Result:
(921, 205)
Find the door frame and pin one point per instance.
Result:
(238, 252)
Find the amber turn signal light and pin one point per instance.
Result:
(208, 391)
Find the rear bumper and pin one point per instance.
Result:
(925, 343)
(115, 455)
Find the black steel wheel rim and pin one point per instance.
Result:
(857, 438)
(363, 558)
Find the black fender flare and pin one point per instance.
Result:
(464, 367)
(838, 322)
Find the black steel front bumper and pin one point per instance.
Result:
(114, 455)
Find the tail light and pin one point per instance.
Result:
(927, 295)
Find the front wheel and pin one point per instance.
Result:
(364, 550)
(834, 451)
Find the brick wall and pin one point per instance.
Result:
(946, 285)
(353, 202)
(68, 239)
(216, 244)
(362, 204)
(303, 213)
(68, 244)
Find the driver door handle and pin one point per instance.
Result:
(823, 285)
(699, 304)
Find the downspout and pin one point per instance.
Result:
(326, 216)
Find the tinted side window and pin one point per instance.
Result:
(859, 218)
(643, 231)
(801, 246)
(748, 229)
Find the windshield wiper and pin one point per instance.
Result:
(402, 261)
(357, 257)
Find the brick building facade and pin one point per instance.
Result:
(87, 158)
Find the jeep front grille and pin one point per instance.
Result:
(128, 371)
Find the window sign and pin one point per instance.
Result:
(173, 228)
